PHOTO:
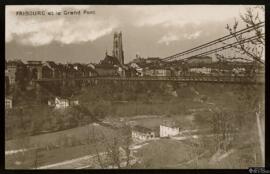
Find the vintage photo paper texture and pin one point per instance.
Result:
(134, 86)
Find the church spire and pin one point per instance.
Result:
(118, 47)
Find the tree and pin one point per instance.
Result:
(224, 129)
(254, 51)
(117, 153)
(252, 48)
(127, 140)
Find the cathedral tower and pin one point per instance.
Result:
(118, 47)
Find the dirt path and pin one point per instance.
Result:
(83, 162)
(72, 164)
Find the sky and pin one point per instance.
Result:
(147, 30)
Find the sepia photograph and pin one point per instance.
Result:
(134, 87)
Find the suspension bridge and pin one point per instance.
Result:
(223, 45)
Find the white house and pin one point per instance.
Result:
(142, 133)
(61, 103)
(73, 102)
(8, 103)
(239, 71)
(202, 70)
(168, 129)
(137, 68)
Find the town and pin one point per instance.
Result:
(114, 66)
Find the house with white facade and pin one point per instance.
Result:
(201, 70)
(8, 103)
(138, 68)
(168, 129)
(142, 133)
(60, 103)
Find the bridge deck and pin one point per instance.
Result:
(219, 79)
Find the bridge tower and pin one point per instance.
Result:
(118, 47)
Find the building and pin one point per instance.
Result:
(110, 60)
(142, 133)
(160, 72)
(153, 60)
(199, 60)
(118, 47)
(47, 72)
(15, 71)
(200, 70)
(74, 102)
(35, 68)
(71, 72)
(106, 70)
(55, 70)
(6, 81)
(113, 65)
(8, 103)
(109, 66)
(239, 71)
(130, 72)
(84, 70)
(60, 103)
(138, 67)
(168, 129)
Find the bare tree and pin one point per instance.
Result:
(37, 157)
(116, 153)
(127, 140)
(252, 47)
(95, 142)
(224, 129)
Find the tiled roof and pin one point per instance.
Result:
(105, 66)
(52, 64)
(110, 60)
(15, 63)
(34, 62)
(171, 124)
(142, 129)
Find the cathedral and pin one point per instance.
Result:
(113, 65)
(117, 57)
(118, 47)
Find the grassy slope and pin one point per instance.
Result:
(80, 133)
(169, 153)
(163, 153)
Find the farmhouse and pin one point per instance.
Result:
(168, 129)
(60, 103)
(142, 133)
(8, 103)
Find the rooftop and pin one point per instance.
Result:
(142, 129)
(110, 60)
(34, 62)
(171, 124)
